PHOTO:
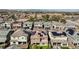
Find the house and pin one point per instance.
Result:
(58, 39)
(6, 25)
(4, 38)
(16, 25)
(70, 25)
(38, 25)
(19, 38)
(1, 25)
(22, 20)
(27, 25)
(39, 38)
(1, 20)
(57, 26)
(74, 39)
(47, 25)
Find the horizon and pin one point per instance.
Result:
(43, 10)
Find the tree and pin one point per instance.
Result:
(63, 20)
(58, 18)
(45, 17)
(35, 16)
(31, 18)
(55, 18)
(14, 17)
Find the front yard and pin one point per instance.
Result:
(37, 46)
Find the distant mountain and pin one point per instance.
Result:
(42, 10)
(49, 10)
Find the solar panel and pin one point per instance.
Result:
(58, 34)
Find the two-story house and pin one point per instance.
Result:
(58, 39)
(38, 25)
(16, 25)
(27, 25)
(39, 38)
(19, 38)
(57, 26)
(48, 25)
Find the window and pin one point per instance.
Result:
(1, 42)
(18, 26)
(75, 43)
(22, 37)
(14, 42)
(53, 26)
(27, 27)
(19, 42)
(54, 43)
(5, 25)
(58, 43)
(26, 24)
(37, 43)
(24, 42)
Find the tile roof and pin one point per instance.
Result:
(19, 32)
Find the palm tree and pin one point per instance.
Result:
(35, 16)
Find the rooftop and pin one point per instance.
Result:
(58, 34)
(48, 23)
(76, 36)
(19, 32)
(28, 22)
(22, 20)
(4, 32)
(69, 24)
(38, 22)
(3, 35)
(40, 33)
(57, 23)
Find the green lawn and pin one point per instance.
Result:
(39, 47)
